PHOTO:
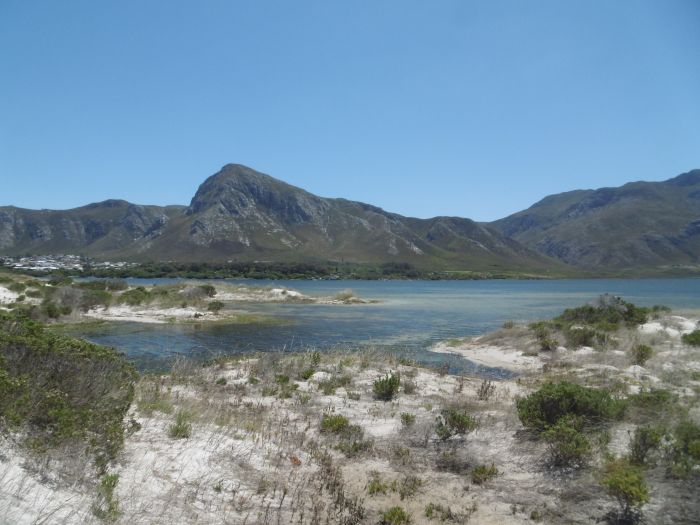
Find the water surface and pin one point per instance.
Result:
(411, 316)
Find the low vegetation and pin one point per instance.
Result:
(57, 390)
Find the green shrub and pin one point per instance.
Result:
(567, 446)
(640, 354)
(17, 287)
(106, 508)
(306, 374)
(208, 290)
(328, 386)
(354, 447)
(386, 388)
(482, 473)
(685, 448)
(626, 484)
(395, 516)
(543, 408)
(692, 339)
(136, 296)
(453, 422)
(181, 428)
(644, 440)
(376, 485)
(60, 390)
(407, 419)
(544, 336)
(334, 423)
(607, 314)
(221, 381)
(215, 306)
(578, 336)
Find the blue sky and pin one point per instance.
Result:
(468, 108)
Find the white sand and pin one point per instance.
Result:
(490, 355)
(7, 296)
(140, 314)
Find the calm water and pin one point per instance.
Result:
(412, 315)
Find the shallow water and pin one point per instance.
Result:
(411, 316)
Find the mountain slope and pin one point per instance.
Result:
(638, 225)
(241, 214)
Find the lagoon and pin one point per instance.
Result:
(410, 317)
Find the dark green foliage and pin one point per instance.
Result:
(543, 334)
(61, 389)
(651, 400)
(609, 313)
(135, 296)
(644, 440)
(578, 336)
(685, 449)
(334, 424)
(354, 447)
(395, 516)
(625, 483)
(181, 427)
(453, 422)
(93, 298)
(640, 354)
(386, 388)
(328, 386)
(208, 290)
(106, 508)
(692, 339)
(482, 473)
(567, 445)
(306, 374)
(407, 419)
(17, 287)
(544, 408)
(215, 306)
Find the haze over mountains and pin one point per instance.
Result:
(240, 214)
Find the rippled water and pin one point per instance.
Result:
(411, 316)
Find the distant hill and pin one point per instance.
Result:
(241, 214)
(638, 225)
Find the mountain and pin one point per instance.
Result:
(241, 214)
(638, 225)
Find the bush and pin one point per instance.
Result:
(135, 296)
(452, 422)
(61, 390)
(106, 508)
(407, 419)
(215, 306)
(395, 516)
(181, 428)
(334, 424)
(626, 484)
(17, 287)
(482, 473)
(568, 447)
(644, 440)
(685, 450)
(640, 354)
(306, 374)
(692, 339)
(544, 408)
(578, 336)
(208, 290)
(544, 336)
(386, 388)
(607, 314)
